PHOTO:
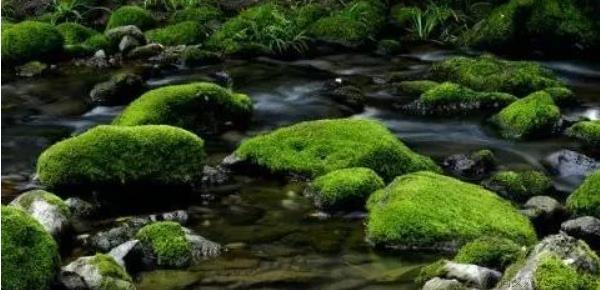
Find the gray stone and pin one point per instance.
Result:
(472, 275)
(128, 43)
(586, 228)
(84, 273)
(46, 208)
(115, 35)
(543, 209)
(443, 284)
(145, 51)
(566, 163)
(31, 69)
(80, 208)
(120, 89)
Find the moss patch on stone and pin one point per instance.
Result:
(168, 242)
(490, 252)
(97, 42)
(585, 200)
(588, 132)
(131, 15)
(553, 274)
(75, 33)
(345, 188)
(26, 199)
(435, 269)
(317, 147)
(203, 15)
(414, 88)
(453, 98)
(108, 267)
(519, 186)
(187, 32)
(561, 95)
(534, 115)
(30, 40)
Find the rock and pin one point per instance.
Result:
(182, 33)
(97, 272)
(145, 51)
(545, 212)
(214, 176)
(116, 35)
(588, 132)
(467, 274)
(585, 200)
(120, 252)
(46, 208)
(586, 228)
(120, 89)
(81, 208)
(350, 96)
(128, 43)
(30, 40)
(474, 166)
(519, 186)
(194, 56)
(443, 284)
(31, 69)
(425, 210)
(567, 163)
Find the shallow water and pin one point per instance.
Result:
(277, 240)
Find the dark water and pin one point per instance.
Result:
(276, 238)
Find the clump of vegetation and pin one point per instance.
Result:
(169, 243)
(490, 252)
(533, 115)
(97, 42)
(203, 15)
(520, 186)
(131, 15)
(75, 33)
(587, 132)
(453, 97)
(586, 200)
(345, 188)
(187, 32)
(561, 95)
(30, 40)
(435, 269)
(435, 22)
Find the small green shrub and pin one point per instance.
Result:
(188, 32)
(131, 15)
(30, 40)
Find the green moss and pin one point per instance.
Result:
(414, 88)
(533, 115)
(346, 188)
(131, 15)
(490, 74)
(30, 40)
(204, 107)
(520, 186)
(203, 15)
(108, 267)
(187, 32)
(561, 95)
(403, 16)
(119, 156)
(453, 94)
(426, 210)
(318, 147)
(553, 274)
(75, 33)
(30, 256)
(26, 199)
(168, 242)
(193, 55)
(490, 252)
(585, 200)
(436, 269)
(586, 131)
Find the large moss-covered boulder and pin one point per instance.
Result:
(490, 74)
(588, 132)
(200, 107)
(30, 256)
(425, 210)
(519, 186)
(585, 200)
(187, 32)
(46, 208)
(75, 33)
(98, 272)
(131, 15)
(30, 40)
(112, 156)
(345, 188)
(490, 252)
(317, 147)
(534, 115)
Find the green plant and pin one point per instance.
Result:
(131, 15)
(170, 5)
(72, 10)
(30, 40)
(434, 19)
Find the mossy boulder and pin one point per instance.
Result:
(585, 200)
(534, 115)
(414, 88)
(519, 186)
(98, 272)
(203, 15)
(168, 242)
(187, 32)
(200, 107)
(553, 274)
(30, 40)
(345, 188)
(30, 255)
(562, 96)
(317, 147)
(194, 55)
(97, 42)
(75, 33)
(490, 252)
(131, 15)
(425, 210)
(114, 156)
(490, 74)
(588, 132)
(47, 209)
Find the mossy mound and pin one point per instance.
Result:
(490, 252)
(561, 95)
(345, 188)
(75, 33)
(588, 132)
(453, 98)
(187, 32)
(203, 15)
(97, 42)
(534, 115)
(317, 147)
(414, 88)
(489, 74)
(193, 55)
(112, 156)
(586, 199)
(131, 15)
(26, 199)
(425, 210)
(519, 186)
(30, 256)
(554, 274)
(200, 107)
(168, 242)
(113, 274)
(30, 40)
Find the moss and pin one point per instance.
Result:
(317, 147)
(187, 32)
(26, 199)
(533, 115)
(489, 74)
(30, 40)
(561, 95)
(30, 256)
(108, 267)
(168, 242)
(520, 186)
(428, 210)
(193, 55)
(119, 156)
(75, 33)
(490, 252)
(453, 94)
(203, 15)
(414, 88)
(97, 42)
(585, 200)
(130, 15)
(203, 107)
(553, 274)
(436, 269)
(587, 132)
(346, 188)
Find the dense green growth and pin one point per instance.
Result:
(30, 40)
(317, 147)
(490, 252)
(97, 42)
(116, 156)
(30, 256)
(428, 210)
(169, 243)
(345, 188)
(187, 32)
(553, 274)
(587, 132)
(200, 107)
(533, 115)
(194, 55)
(414, 88)
(520, 186)
(586, 199)
(561, 95)
(131, 15)
(453, 94)
(75, 33)
(203, 15)
(26, 199)
(435, 269)
(110, 270)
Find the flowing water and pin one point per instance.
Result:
(275, 237)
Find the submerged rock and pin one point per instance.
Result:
(99, 272)
(567, 163)
(414, 88)
(545, 212)
(46, 208)
(473, 166)
(585, 200)
(120, 89)
(388, 47)
(519, 186)
(586, 228)
(350, 96)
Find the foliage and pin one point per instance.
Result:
(30, 40)
(168, 242)
(131, 15)
(171, 5)
(72, 10)
(187, 32)
(345, 188)
(533, 115)
(438, 19)
(585, 200)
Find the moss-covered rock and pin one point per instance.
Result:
(489, 74)
(75, 33)
(47, 209)
(317, 147)
(30, 256)
(490, 252)
(585, 200)
(534, 115)
(588, 132)
(131, 15)
(187, 32)
(519, 186)
(553, 274)
(203, 15)
(99, 272)
(97, 42)
(403, 15)
(200, 107)
(425, 210)
(414, 88)
(562, 96)
(115, 156)
(30, 40)
(194, 55)
(345, 188)
(168, 242)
